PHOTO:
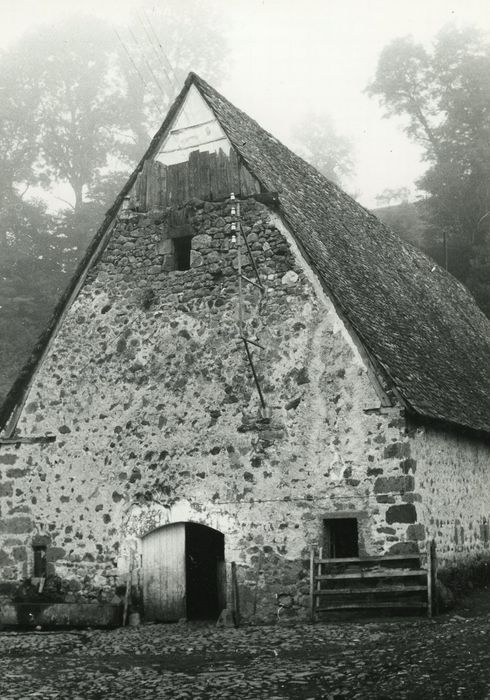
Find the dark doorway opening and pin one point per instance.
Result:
(182, 252)
(40, 561)
(205, 568)
(341, 538)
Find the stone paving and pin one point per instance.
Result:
(413, 658)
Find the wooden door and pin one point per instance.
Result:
(164, 573)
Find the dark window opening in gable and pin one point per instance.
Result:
(182, 252)
(341, 538)
(40, 561)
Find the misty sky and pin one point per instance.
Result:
(291, 57)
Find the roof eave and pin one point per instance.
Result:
(425, 419)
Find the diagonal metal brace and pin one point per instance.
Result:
(259, 282)
(252, 342)
(255, 284)
(252, 367)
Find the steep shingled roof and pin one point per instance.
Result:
(417, 323)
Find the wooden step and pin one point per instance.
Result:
(373, 606)
(370, 560)
(362, 591)
(387, 573)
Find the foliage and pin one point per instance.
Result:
(321, 145)
(406, 219)
(54, 591)
(467, 576)
(31, 279)
(389, 196)
(443, 96)
(162, 44)
(76, 101)
(83, 98)
(76, 110)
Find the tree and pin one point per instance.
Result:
(443, 96)
(389, 196)
(79, 107)
(69, 78)
(320, 144)
(84, 98)
(31, 279)
(404, 218)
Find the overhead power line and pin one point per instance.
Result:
(150, 69)
(138, 72)
(158, 56)
(168, 65)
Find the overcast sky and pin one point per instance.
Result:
(289, 57)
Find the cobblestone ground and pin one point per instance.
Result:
(448, 657)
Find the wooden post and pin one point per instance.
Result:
(318, 581)
(256, 589)
(312, 584)
(435, 600)
(235, 604)
(430, 591)
(129, 584)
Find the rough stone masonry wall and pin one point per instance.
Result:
(155, 412)
(452, 471)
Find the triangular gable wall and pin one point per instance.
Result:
(209, 168)
(412, 318)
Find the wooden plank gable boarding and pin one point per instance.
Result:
(205, 175)
(194, 160)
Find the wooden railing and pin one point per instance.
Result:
(396, 581)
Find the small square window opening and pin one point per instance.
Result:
(182, 252)
(340, 537)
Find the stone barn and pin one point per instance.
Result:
(246, 364)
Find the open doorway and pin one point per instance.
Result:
(204, 561)
(340, 538)
(183, 573)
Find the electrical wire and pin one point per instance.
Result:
(150, 69)
(138, 72)
(173, 86)
(168, 65)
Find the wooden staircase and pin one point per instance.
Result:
(398, 582)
